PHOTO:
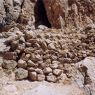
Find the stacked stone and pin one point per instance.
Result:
(45, 54)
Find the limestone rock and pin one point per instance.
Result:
(27, 12)
(1, 61)
(47, 70)
(9, 64)
(57, 72)
(21, 73)
(51, 46)
(41, 77)
(33, 76)
(70, 12)
(22, 64)
(51, 78)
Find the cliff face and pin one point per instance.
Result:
(76, 13)
(21, 11)
(51, 13)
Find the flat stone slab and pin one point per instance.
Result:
(54, 89)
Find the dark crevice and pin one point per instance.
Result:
(40, 14)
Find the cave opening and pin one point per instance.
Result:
(40, 14)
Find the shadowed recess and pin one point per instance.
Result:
(40, 14)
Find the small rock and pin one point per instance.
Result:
(30, 69)
(10, 55)
(14, 45)
(47, 70)
(57, 72)
(21, 73)
(42, 27)
(55, 62)
(38, 57)
(54, 65)
(33, 76)
(28, 44)
(22, 64)
(30, 63)
(29, 34)
(41, 77)
(53, 57)
(18, 32)
(42, 64)
(39, 71)
(51, 46)
(48, 61)
(21, 47)
(9, 64)
(44, 45)
(1, 61)
(48, 41)
(22, 40)
(51, 78)
(27, 56)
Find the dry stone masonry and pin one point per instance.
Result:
(45, 54)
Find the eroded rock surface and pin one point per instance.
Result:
(70, 13)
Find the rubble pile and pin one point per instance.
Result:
(44, 54)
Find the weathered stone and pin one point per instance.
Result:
(14, 45)
(41, 77)
(9, 64)
(10, 55)
(27, 56)
(28, 44)
(22, 40)
(47, 70)
(1, 61)
(30, 69)
(22, 64)
(27, 13)
(54, 64)
(42, 27)
(70, 13)
(43, 46)
(86, 67)
(51, 78)
(31, 64)
(33, 76)
(29, 34)
(39, 71)
(57, 72)
(51, 46)
(21, 73)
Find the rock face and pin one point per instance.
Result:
(70, 13)
(21, 11)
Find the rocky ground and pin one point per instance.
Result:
(51, 55)
(47, 52)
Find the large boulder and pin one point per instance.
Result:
(70, 13)
(85, 76)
